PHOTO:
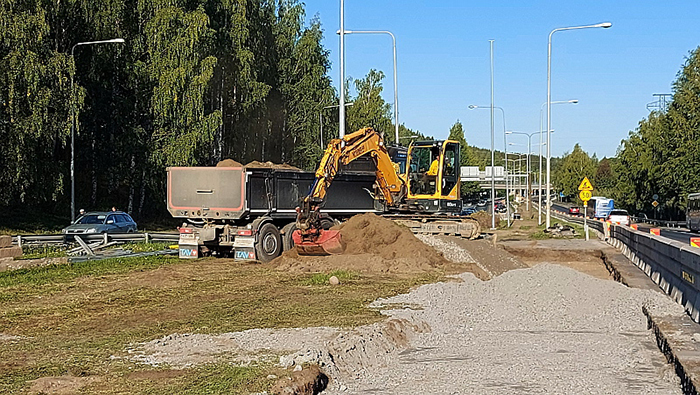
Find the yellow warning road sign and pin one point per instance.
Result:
(585, 195)
(585, 185)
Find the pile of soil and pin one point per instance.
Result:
(372, 245)
(229, 163)
(271, 165)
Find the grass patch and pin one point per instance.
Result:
(145, 247)
(322, 278)
(75, 317)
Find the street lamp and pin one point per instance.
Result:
(529, 148)
(320, 118)
(396, 84)
(539, 184)
(505, 143)
(604, 25)
(73, 121)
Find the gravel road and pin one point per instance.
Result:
(548, 329)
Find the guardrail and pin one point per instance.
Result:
(106, 237)
(659, 222)
(674, 266)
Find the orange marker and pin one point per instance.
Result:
(634, 226)
(655, 231)
(695, 241)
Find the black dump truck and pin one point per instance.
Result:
(250, 212)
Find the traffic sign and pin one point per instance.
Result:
(585, 195)
(585, 185)
(654, 203)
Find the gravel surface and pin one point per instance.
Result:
(545, 329)
(549, 329)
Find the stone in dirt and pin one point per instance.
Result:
(5, 241)
(373, 245)
(308, 381)
(10, 251)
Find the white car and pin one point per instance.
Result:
(620, 217)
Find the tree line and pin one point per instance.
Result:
(194, 82)
(660, 157)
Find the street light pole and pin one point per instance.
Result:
(341, 106)
(396, 83)
(604, 25)
(73, 120)
(320, 118)
(493, 172)
(505, 144)
(529, 149)
(539, 168)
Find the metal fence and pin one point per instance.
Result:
(105, 238)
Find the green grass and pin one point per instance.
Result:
(77, 316)
(60, 273)
(145, 247)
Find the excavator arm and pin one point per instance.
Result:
(310, 238)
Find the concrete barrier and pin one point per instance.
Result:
(672, 265)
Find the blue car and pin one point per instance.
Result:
(468, 211)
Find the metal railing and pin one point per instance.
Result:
(105, 237)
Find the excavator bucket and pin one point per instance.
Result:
(325, 242)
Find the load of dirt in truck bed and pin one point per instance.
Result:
(271, 165)
(373, 245)
(255, 164)
(229, 163)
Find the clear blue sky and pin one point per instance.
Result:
(443, 62)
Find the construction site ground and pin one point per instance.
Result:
(513, 312)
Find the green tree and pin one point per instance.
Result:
(369, 108)
(573, 168)
(469, 188)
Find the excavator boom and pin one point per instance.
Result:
(310, 238)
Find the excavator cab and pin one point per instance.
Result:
(433, 176)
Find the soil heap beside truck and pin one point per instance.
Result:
(252, 213)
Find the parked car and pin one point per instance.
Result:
(469, 210)
(620, 217)
(574, 211)
(102, 222)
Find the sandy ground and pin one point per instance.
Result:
(533, 327)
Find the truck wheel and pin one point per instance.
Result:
(269, 244)
(287, 241)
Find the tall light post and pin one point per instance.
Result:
(396, 83)
(505, 143)
(73, 121)
(539, 168)
(320, 118)
(604, 25)
(529, 149)
(341, 106)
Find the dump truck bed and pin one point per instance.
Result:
(237, 193)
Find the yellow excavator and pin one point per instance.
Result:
(420, 187)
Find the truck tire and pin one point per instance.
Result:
(269, 243)
(287, 241)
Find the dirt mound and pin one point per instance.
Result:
(229, 163)
(271, 165)
(483, 218)
(372, 244)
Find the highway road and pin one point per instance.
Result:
(677, 234)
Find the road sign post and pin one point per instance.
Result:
(585, 195)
